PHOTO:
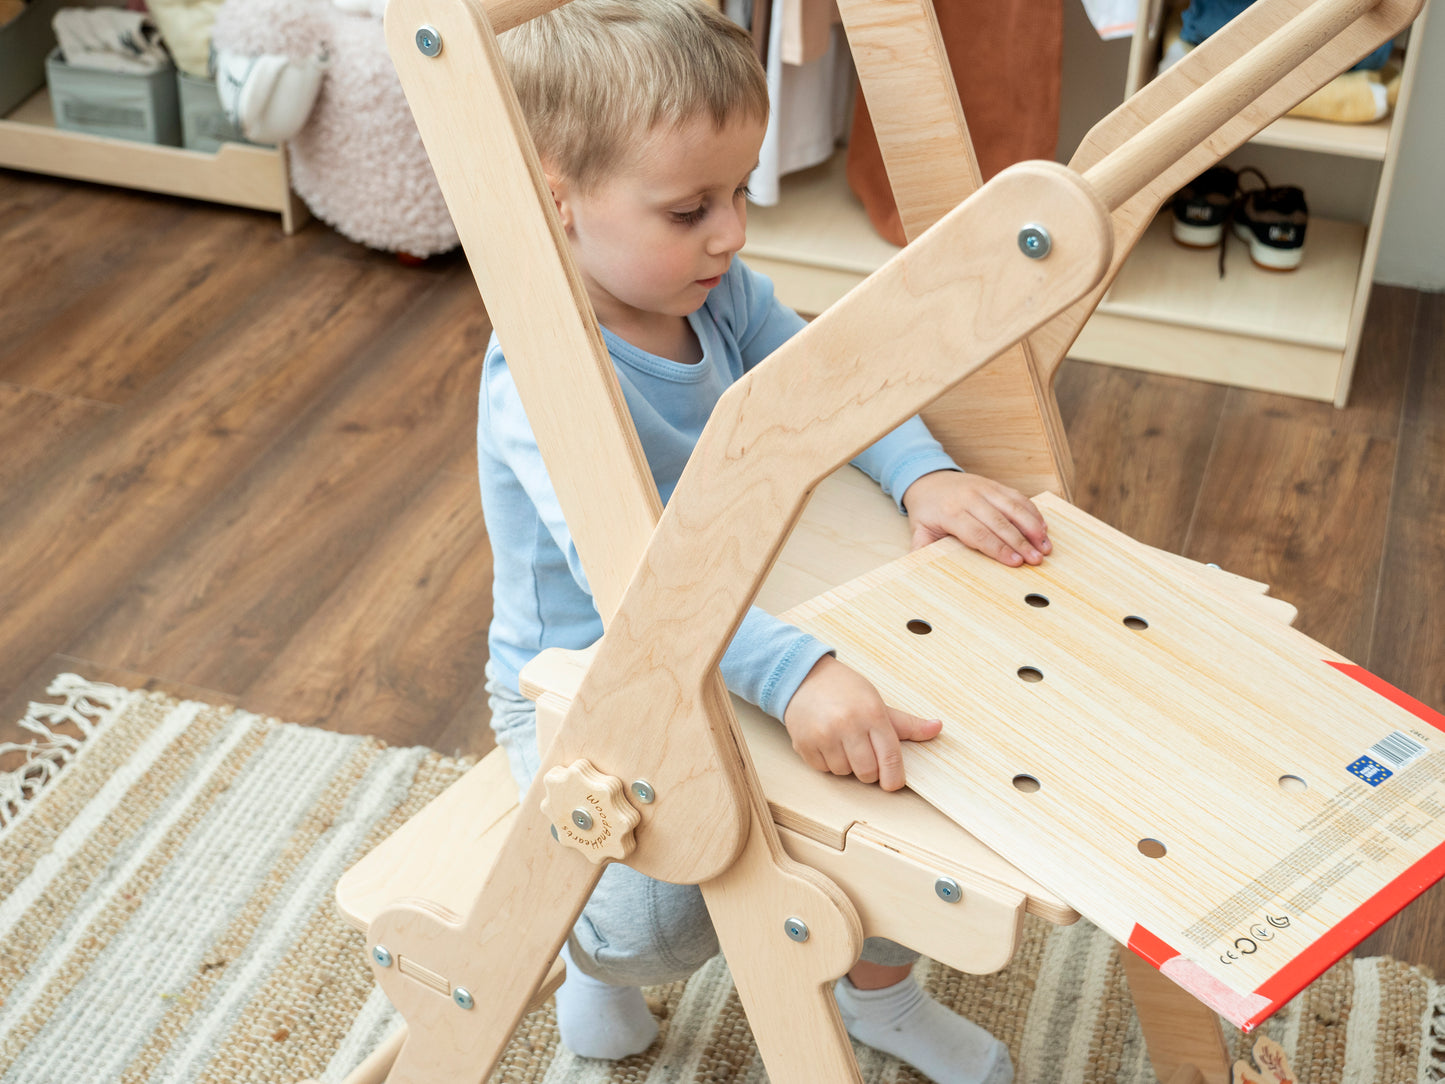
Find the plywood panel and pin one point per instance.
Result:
(1186, 728)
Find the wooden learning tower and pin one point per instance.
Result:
(1133, 737)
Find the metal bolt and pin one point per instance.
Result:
(643, 792)
(948, 890)
(1035, 242)
(381, 955)
(797, 929)
(462, 996)
(582, 819)
(429, 41)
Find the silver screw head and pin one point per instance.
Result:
(643, 792)
(582, 819)
(382, 955)
(463, 997)
(429, 41)
(948, 890)
(1035, 242)
(796, 929)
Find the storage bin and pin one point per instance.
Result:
(121, 105)
(204, 124)
(25, 41)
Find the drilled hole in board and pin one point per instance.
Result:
(919, 627)
(1037, 601)
(1136, 623)
(1030, 673)
(1027, 784)
(1292, 783)
(1152, 848)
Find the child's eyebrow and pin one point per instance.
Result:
(700, 193)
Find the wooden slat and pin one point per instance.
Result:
(1001, 422)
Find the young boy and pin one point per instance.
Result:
(648, 116)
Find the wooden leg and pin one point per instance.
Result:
(1182, 1033)
(786, 980)
(499, 956)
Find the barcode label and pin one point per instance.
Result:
(1397, 750)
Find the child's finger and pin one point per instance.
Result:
(1026, 517)
(996, 536)
(908, 727)
(888, 757)
(863, 758)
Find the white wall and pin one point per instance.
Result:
(1412, 244)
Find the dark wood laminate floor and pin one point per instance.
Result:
(238, 465)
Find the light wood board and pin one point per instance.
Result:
(1184, 732)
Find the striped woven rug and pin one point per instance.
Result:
(166, 870)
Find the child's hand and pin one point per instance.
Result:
(982, 514)
(839, 724)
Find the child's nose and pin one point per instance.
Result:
(731, 232)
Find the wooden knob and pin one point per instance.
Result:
(590, 811)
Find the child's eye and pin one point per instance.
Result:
(690, 218)
(743, 191)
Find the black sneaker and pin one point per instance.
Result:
(1272, 222)
(1201, 207)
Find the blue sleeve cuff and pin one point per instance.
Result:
(898, 459)
(768, 659)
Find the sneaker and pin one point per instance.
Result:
(1201, 207)
(1272, 222)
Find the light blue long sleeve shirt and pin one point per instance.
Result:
(540, 594)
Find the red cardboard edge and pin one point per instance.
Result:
(1341, 938)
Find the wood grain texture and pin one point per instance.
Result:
(1143, 445)
(1117, 719)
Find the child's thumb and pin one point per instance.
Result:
(912, 727)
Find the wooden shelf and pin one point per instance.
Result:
(1286, 332)
(1352, 140)
(1163, 280)
(238, 174)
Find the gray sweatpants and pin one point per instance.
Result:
(634, 931)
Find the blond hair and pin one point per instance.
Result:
(595, 75)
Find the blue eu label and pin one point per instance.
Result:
(1371, 771)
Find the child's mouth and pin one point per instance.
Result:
(709, 283)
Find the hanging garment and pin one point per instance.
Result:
(810, 94)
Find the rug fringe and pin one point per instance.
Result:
(87, 706)
(1432, 1056)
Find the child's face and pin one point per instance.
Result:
(656, 235)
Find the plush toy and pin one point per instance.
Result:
(315, 74)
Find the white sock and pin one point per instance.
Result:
(905, 1022)
(598, 1020)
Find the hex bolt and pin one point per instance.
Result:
(643, 792)
(382, 955)
(1035, 242)
(582, 819)
(796, 929)
(463, 997)
(429, 41)
(948, 890)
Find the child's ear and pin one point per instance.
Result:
(561, 192)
